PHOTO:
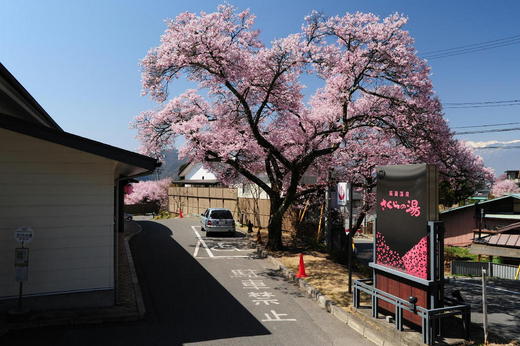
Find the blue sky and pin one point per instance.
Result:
(79, 59)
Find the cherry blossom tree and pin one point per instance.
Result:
(248, 115)
(504, 187)
(149, 191)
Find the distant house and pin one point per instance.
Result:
(194, 174)
(462, 223)
(69, 190)
(513, 175)
(503, 241)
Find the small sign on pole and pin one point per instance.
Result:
(343, 194)
(23, 234)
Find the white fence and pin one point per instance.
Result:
(502, 271)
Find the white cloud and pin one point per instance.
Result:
(488, 143)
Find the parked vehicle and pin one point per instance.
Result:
(217, 220)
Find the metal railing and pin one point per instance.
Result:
(502, 271)
(428, 316)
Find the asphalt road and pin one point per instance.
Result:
(206, 291)
(503, 303)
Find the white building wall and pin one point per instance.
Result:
(250, 190)
(199, 173)
(66, 196)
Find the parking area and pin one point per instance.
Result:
(503, 303)
(220, 245)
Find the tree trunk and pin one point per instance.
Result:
(275, 225)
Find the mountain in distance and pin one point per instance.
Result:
(168, 169)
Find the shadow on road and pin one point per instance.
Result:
(184, 303)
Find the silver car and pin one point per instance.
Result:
(217, 220)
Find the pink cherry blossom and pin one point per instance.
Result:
(149, 191)
(248, 116)
(504, 187)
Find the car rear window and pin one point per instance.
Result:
(221, 214)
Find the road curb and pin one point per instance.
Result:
(364, 325)
(141, 309)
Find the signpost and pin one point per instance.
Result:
(21, 262)
(350, 236)
(484, 306)
(345, 197)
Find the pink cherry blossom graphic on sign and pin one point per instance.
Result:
(385, 255)
(416, 260)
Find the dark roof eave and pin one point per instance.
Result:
(13, 82)
(80, 143)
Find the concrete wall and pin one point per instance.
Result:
(66, 196)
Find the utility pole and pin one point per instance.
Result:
(484, 306)
(350, 235)
(328, 221)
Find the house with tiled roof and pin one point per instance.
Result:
(462, 223)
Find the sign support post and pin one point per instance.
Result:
(350, 236)
(20, 291)
(21, 263)
(484, 306)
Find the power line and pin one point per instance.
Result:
(486, 125)
(478, 103)
(486, 106)
(488, 131)
(472, 48)
(436, 51)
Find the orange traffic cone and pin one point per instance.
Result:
(301, 268)
(180, 213)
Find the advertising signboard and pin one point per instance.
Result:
(342, 194)
(406, 200)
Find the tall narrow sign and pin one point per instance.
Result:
(406, 201)
(343, 194)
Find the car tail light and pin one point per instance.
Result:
(209, 223)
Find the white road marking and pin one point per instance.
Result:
(208, 250)
(197, 247)
(210, 254)
(221, 246)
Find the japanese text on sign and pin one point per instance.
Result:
(410, 206)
